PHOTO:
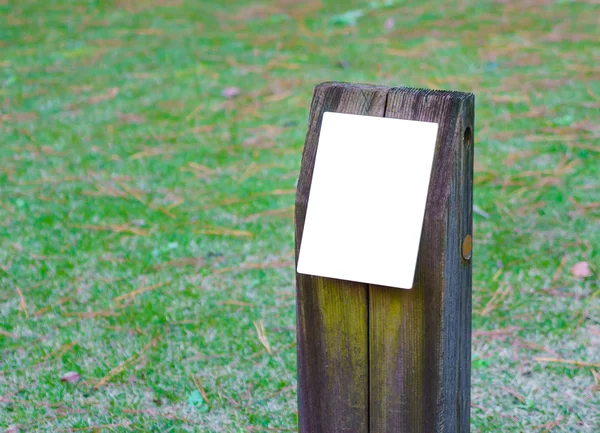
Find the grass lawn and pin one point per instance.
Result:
(149, 151)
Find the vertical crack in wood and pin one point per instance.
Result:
(369, 317)
(332, 322)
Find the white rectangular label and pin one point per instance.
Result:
(367, 199)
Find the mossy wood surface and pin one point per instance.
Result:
(332, 315)
(376, 359)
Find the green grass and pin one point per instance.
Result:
(123, 167)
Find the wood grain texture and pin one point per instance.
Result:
(332, 315)
(420, 339)
(378, 359)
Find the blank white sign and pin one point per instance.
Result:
(367, 199)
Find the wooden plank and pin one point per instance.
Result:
(420, 339)
(332, 315)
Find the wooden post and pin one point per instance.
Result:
(378, 359)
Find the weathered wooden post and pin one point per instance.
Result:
(381, 359)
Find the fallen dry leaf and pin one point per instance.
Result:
(110, 94)
(19, 117)
(567, 361)
(131, 118)
(262, 336)
(497, 333)
(230, 92)
(70, 377)
(8, 334)
(550, 425)
(22, 303)
(142, 289)
(179, 263)
(135, 6)
(581, 270)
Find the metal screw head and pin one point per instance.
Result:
(467, 247)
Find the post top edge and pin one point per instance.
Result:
(415, 90)
(360, 86)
